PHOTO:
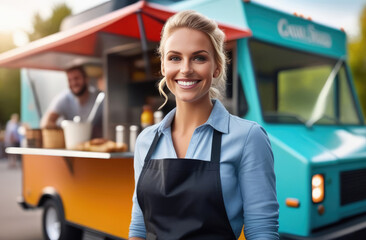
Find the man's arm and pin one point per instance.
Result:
(49, 120)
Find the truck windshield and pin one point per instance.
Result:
(290, 83)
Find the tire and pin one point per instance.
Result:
(54, 225)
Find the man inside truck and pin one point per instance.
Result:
(78, 100)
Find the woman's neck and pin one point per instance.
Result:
(191, 115)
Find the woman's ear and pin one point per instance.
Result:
(216, 73)
(162, 70)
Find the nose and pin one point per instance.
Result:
(186, 67)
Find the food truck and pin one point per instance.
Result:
(287, 73)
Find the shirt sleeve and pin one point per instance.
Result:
(137, 225)
(258, 186)
(59, 104)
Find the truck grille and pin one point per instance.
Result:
(353, 186)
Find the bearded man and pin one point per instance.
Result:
(78, 100)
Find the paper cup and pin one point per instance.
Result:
(76, 133)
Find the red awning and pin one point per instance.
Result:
(58, 50)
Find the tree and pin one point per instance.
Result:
(44, 27)
(9, 83)
(10, 78)
(357, 60)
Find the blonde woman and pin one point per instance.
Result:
(201, 173)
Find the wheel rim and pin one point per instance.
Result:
(53, 225)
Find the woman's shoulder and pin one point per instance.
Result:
(147, 135)
(243, 127)
(241, 123)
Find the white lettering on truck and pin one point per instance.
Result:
(308, 34)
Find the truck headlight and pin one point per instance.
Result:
(317, 186)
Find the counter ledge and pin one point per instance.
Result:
(67, 153)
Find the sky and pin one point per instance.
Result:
(16, 15)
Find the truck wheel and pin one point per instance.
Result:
(54, 226)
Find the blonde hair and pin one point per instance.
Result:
(196, 21)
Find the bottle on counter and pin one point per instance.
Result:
(133, 136)
(147, 116)
(158, 116)
(120, 135)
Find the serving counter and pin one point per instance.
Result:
(67, 153)
(95, 188)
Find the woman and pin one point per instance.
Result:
(201, 173)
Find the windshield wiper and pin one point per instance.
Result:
(319, 108)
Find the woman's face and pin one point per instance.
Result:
(189, 65)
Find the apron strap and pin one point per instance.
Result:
(216, 146)
(152, 147)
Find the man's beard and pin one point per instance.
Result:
(81, 92)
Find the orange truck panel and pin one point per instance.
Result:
(97, 194)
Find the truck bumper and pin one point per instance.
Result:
(23, 204)
(351, 228)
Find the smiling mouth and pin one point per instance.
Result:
(187, 83)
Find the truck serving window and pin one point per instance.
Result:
(234, 98)
(290, 83)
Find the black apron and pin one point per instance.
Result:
(182, 198)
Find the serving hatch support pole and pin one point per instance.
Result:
(33, 89)
(144, 43)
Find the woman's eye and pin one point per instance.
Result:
(199, 58)
(174, 58)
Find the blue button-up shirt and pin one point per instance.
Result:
(246, 170)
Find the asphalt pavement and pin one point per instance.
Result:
(16, 223)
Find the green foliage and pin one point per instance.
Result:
(10, 78)
(9, 84)
(44, 27)
(357, 60)
(9, 94)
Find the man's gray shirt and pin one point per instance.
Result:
(68, 106)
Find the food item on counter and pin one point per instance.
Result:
(147, 116)
(101, 145)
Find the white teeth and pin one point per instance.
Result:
(187, 83)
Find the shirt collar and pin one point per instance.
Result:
(167, 121)
(218, 119)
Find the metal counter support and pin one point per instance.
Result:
(70, 164)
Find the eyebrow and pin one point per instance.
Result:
(194, 53)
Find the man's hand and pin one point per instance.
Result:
(49, 120)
